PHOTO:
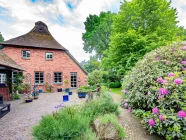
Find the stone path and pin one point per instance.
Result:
(18, 123)
(133, 128)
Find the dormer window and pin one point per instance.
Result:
(26, 54)
(49, 56)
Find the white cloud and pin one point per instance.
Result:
(22, 15)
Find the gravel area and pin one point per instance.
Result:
(18, 123)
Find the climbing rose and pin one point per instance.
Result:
(124, 91)
(151, 122)
(159, 80)
(183, 48)
(163, 91)
(161, 118)
(165, 82)
(160, 97)
(171, 74)
(181, 114)
(178, 81)
(155, 110)
(183, 62)
(126, 104)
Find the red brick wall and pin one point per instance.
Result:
(4, 91)
(61, 63)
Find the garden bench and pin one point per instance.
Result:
(4, 108)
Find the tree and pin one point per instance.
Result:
(139, 27)
(1, 37)
(94, 77)
(91, 65)
(98, 30)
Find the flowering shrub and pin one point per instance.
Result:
(157, 85)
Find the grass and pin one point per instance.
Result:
(112, 90)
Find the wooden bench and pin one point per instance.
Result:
(4, 108)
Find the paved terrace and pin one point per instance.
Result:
(18, 123)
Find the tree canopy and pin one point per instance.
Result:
(139, 27)
(1, 37)
(98, 30)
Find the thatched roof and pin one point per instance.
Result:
(8, 62)
(38, 37)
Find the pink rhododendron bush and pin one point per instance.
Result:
(157, 87)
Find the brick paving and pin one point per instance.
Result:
(18, 123)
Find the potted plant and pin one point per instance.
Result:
(59, 88)
(66, 85)
(26, 88)
(28, 97)
(83, 91)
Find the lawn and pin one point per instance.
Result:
(113, 90)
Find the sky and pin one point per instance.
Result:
(64, 18)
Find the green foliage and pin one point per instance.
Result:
(26, 88)
(15, 96)
(101, 106)
(144, 90)
(1, 37)
(138, 113)
(139, 27)
(112, 119)
(95, 77)
(66, 83)
(48, 87)
(74, 122)
(98, 30)
(85, 89)
(114, 85)
(91, 65)
(17, 85)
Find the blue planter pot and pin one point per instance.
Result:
(40, 91)
(59, 90)
(67, 90)
(65, 98)
(82, 94)
(69, 93)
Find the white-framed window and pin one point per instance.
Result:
(57, 77)
(49, 55)
(25, 54)
(39, 77)
(14, 74)
(2, 78)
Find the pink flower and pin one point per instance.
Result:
(160, 97)
(152, 122)
(124, 91)
(161, 118)
(183, 69)
(155, 110)
(178, 81)
(181, 114)
(183, 62)
(171, 74)
(126, 101)
(129, 109)
(165, 82)
(126, 104)
(163, 91)
(159, 80)
(183, 48)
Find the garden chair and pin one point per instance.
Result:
(4, 108)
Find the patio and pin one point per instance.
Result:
(18, 123)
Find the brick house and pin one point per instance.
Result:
(43, 59)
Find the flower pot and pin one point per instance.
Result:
(67, 90)
(35, 97)
(65, 98)
(82, 94)
(40, 91)
(28, 100)
(69, 93)
(59, 90)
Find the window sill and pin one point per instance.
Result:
(25, 58)
(40, 84)
(49, 59)
(58, 83)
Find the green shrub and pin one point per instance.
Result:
(15, 96)
(114, 85)
(158, 85)
(67, 123)
(113, 119)
(85, 89)
(101, 106)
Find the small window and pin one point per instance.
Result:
(25, 54)
(2, 78)
(39, 77)
(49, 56)
(57, 77)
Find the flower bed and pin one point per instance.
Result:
(157, 86)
